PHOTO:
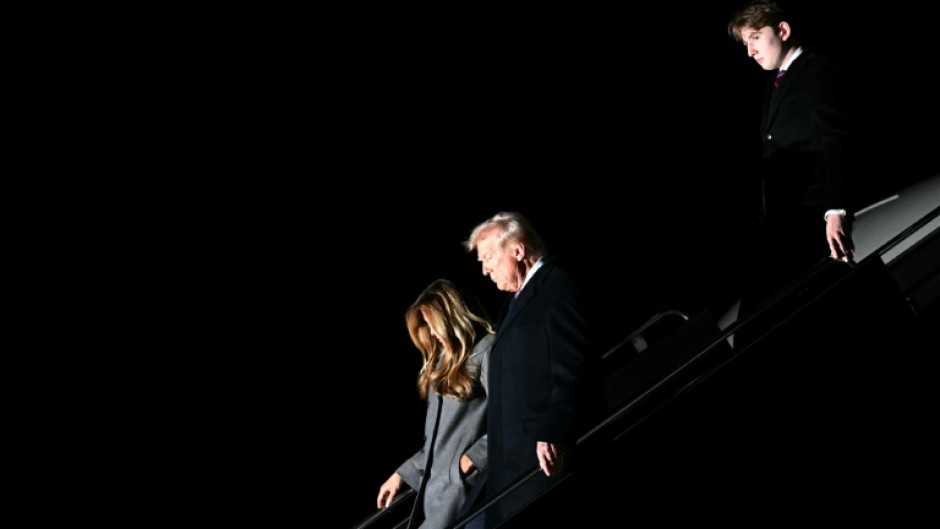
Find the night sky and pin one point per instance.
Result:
(628, 138)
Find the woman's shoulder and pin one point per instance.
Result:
(482, 347)
(484, 343)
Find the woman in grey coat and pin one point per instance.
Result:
(455, 343)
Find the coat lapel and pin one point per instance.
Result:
(516, 306)
(528, 293)
(776, 96)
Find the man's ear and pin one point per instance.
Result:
(783, 30)
(518, 252)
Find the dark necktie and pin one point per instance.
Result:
(779, 78)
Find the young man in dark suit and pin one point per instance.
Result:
(542, 379)
(806, 212)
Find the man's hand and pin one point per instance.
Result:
(839, 237)
(551, 458)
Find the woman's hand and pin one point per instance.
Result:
(388, 490)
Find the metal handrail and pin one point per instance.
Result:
(897, 239)
(639, 331)
(382, 513)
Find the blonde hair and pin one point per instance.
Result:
(442, 311)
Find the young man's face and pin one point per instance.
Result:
(766, 45)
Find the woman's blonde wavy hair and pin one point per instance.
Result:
(442, 311)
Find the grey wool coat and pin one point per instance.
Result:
(452, 428)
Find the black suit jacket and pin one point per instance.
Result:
(542, 382)
(805, 131)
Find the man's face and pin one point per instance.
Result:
(765, 45)
(501, 263)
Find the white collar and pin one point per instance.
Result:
(792, 58)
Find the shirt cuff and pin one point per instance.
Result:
(834, 211)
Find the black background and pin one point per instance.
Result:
(368, 144)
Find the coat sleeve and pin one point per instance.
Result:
(832, 113)
(412, 470)
(569, 348)
(477, 451)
